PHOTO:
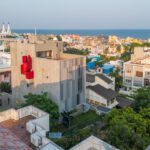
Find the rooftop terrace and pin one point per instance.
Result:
(13, 134)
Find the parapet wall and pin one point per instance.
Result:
(9, 114)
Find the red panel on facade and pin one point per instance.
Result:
(30, 75)
(22, 70)
(26, 67)
(24, 59)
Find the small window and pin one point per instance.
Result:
(0, 102)
(139, 74)
(8, 101)
(5, 75)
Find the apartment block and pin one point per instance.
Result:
(41, 66)
(136, 72)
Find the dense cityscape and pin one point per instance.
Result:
(74, 92)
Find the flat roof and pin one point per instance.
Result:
(13, 134)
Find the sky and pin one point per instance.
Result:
(76, 14)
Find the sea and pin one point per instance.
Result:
(122, 33)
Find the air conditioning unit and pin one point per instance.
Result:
(36, 140)
(30, 127)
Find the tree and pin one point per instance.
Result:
(127, 129)
(77, 51)
(59, 38)
(126, 56)
(5, 87)
(119, 48)
(67, 118)
(118, 79)
(142, 98)
(42, 102)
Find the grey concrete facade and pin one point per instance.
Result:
(62, 76)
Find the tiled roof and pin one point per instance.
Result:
(8, 141)
(108, 94)
(123, 102)
(13, 134)
(105, 78)
(90, 78)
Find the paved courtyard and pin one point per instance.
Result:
(13, 135)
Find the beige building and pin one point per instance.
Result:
(39, 67)
(136, 73)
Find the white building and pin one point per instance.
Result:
(136, 72)
(100, 93)
(97, 95)
(101, 79)
(4, 32)
(5, 69)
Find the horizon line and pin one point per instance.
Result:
(81, 29)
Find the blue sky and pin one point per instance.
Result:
(76, 14)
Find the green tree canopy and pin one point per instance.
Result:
(77, 51)
(5, 87)
(127, 129)
(42, 102)
(142, 98)
(59, 38)
(118, 79)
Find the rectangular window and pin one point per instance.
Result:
(78, 99)
(61, 91)
(0, 102)
(139, 74)
(128, 81)
(128, 71)
(80, 84)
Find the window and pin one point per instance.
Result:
(49, 53)
(139, 74)
(5, 75)
(8, 101)
(128, 81)
(128, 71)
(80, 84)
(97, 103)
(61, 91)
(0, 102)
(147, 73)
(78, 99)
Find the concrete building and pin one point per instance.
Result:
(5, 69)
(136, 72)
(25, 129)
(40, 66)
